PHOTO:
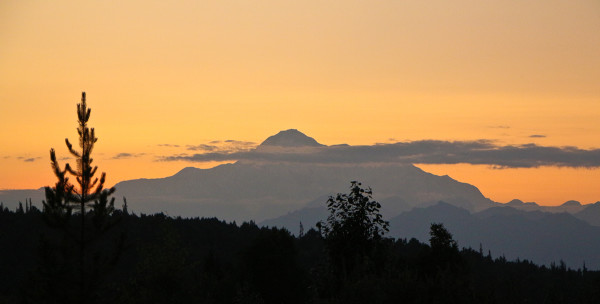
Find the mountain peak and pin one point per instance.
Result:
(290, 138)
(515, 202)
(571, 203)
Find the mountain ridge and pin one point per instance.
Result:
(542, 237)
(251, 190)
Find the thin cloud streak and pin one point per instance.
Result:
(168, 145)
(225, 146)
(127, 155)
(26, 159)
(480, 152)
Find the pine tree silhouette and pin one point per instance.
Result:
(88, 196)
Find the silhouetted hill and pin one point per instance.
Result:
(590, 214)
(571, 204)
(308, 216)
(415, 223)
(316, 211)
(541, 237)
(509, 211)
(520, 203)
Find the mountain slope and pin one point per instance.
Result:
(10, 198)
(590, 214)
(244, 191)
(542, 237)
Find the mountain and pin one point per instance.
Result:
(316, 211)
(571, 204)
(273, 186)
(517, 203)
(11, 198)
(541, 237)
(290, 138)
(590, 213)
(248, 190)
(416, 222)
(572, 207)
(258, 191)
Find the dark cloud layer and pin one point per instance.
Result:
(483, 152)
(537, 136)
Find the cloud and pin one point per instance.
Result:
(127, 155)
(168, 145)
(223, 146)
(479, 152)
(26, 159)
(202, 147)
(537, 136)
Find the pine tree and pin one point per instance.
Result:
(301, 234)
(124, 208)
(88, 196)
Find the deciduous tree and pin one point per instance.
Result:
(353, 230)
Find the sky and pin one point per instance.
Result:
(166, 78)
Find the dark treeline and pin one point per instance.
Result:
(202, 260)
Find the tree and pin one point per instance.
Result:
(353, 229)
(354, 216)
(440, 238)
(87, 198)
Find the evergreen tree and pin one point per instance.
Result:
(301, 233)
(87, 197)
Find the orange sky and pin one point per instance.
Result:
(356, 72)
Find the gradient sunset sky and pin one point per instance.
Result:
(163, 77)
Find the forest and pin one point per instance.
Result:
(161, 259)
